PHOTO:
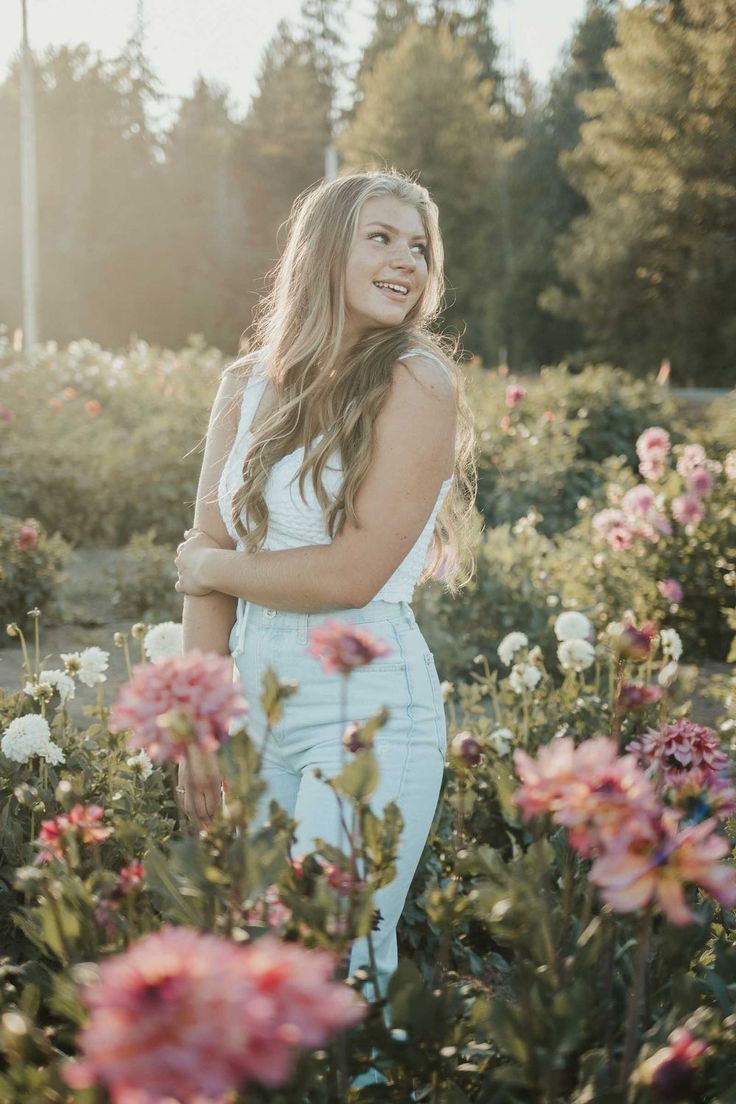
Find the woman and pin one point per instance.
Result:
(338, 470)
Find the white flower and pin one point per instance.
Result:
(39, 691)
(524, 676)
(576, 655)
(729, 465)
(28, 736)
(163, 640)
(141, 763)
(447, 689)
(671, 643)
(510, 645)
(60, 681)
(500, 741)
(92, 666)
(572, 625)
(668, 674)
(615, 628)
(53, 754)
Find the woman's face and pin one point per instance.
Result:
(390, 248)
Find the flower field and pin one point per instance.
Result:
(571, 932)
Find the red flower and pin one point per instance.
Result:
(93, 407)
(26, 538)
(514, 394)
(341, 647)
(182, 701)
(467, 749)
(83, 821)
(633, 695)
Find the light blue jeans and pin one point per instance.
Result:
(410, 749)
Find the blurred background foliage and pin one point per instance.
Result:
(592, 219)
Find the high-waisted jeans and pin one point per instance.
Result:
(410, 748)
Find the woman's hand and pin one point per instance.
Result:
(189, 560)
(198, 789)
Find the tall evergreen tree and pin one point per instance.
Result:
(652, 264)
(390, 19)
(425, 112)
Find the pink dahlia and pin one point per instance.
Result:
(605, 519)
(82, 822)
(670, 589)
(182, 701)
(653, 467)
(639, 500)
(687, 509)
(691, 458)
(514, 394)
(6, 414)
(654, 441)
(340, 647)
(620, 538)
(671, 1070)
(699, 482)
(679, 747)
(655, 867)
(544, 778)
(190, 1017)
(26, 538)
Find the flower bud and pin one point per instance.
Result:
(467, 749)
(119, 639)
(138, 631)
(635, 644)
(355, 738)
(12, 629)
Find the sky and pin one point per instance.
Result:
(224, 39)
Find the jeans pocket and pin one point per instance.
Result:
(439, 705)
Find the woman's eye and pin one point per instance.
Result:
(380, 234)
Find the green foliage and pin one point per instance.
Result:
(30, 566)
(144, 579)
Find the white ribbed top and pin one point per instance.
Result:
(294, 521)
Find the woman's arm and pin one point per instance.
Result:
(414, 453)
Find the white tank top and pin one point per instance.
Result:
(294, 521)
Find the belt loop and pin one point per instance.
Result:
(242, 620)
(302, 628)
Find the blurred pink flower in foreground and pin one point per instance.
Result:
(83, 821)
(340, 647)
(620, 537)
(670, 1071)
(188, 1017)
(655, 865)
(670, 589)
(639, 500)
(6, 414)
(183, 701)
(514, 394)
(687, 509)
(653, 467)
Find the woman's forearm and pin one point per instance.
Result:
(207, 622)
(300, 580)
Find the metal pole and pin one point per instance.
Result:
(28, 195)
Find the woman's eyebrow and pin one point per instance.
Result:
(386, 226)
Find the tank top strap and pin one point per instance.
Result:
(431, 356)
(252, 393)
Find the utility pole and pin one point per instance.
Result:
(28, 195)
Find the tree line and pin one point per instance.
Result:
(593, 218)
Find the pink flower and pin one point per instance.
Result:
(671, 1070)
(26, 538)
(687, 509)
(639, 500)
(656, 865)
(620, 538)
(270, 912)
(699, 482)
(605, 519)
(514, 394)
(653, 441)
(691, 458)
(340, 646)
(83, 822)
(184, 700)
(6, 414)
(678, 747)
(670, 589)
(189, 1017)
(633, 695)
(635, 644)
(653, 467)
(505, 423)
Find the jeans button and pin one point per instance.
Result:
(270, 612)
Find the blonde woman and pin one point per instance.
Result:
(339, 471)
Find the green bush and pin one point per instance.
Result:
(31, 562)
(143, 580)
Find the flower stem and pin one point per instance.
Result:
(637, 989)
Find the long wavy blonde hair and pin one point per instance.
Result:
(327, 401)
